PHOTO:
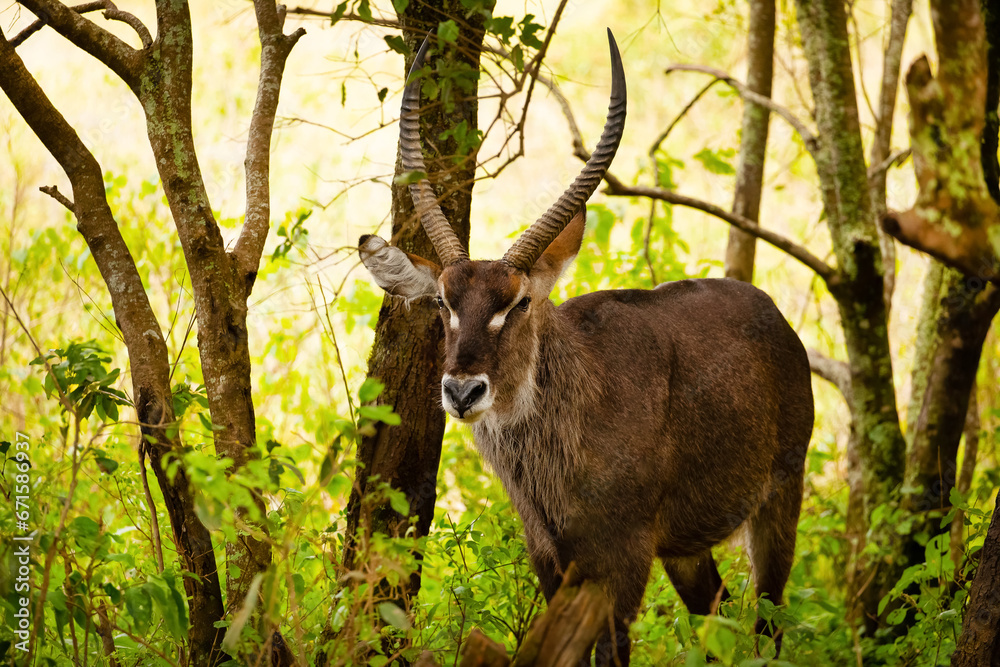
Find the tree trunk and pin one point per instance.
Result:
(859, 289)
(962, 322)
(979, 643)
(147, 349)
(406, 353)
(220, 292)
(753, 142)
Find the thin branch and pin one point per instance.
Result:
(835, 372)
(901, 10)
(275, 47)
(317, 13)
(880, 156)
(617, 188)
(822, 269)
(117, 55)
(898, 157)
(810, 140)
(112, 13)
(38, 24)
(53, 191)
(154, 521)
(670, 128)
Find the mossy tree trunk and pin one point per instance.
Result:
(407, 349)
(160, 75)
(858, 291)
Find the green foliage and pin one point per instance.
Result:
(95, 543)
(79, 374)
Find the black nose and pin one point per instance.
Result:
(464, 393)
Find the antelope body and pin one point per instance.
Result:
(625, 425)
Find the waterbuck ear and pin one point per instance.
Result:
(558, 256)
(397, 272)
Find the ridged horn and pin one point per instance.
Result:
(533, 242)
(443, 237)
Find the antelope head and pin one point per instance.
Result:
(493, 311)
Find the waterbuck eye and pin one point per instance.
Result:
(522, 305)
(440, 301)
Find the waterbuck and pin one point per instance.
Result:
(625, 425)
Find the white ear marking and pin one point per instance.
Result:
(394, 272)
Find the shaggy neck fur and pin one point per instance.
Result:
(532, 441)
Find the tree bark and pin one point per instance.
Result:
(962, 322)
(406, 352)
(859, 292)
(753, 143)
(955, 218)
(160, 76)
(882, 142)
(146, 347)
(979, 643)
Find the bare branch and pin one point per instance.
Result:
(898, 157)
(383, 23)
(835, 372)
(38, 24)
(121, 58)
(881, 144)
(53, 191)
(275, 47)
(112, 13)
(822, 269)
(90, 206)
(617, 188)
(670, 128)
(808, 137)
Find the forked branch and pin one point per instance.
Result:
(121, 58)
(808, 137)
(955, 218)
(618, 188)
(275, 47)
(38, 24)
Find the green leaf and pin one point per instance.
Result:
(85, 527)
(394, 616)
(365, 11)
(106, 465)
(398, 502)
(528, 30)
(400, 5)
(114, 594)
(447, 32)
(397, 44)
(716, 161)
(370, 389)
(380, 413)
(139, 606)
(408, 177)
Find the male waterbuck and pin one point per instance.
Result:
(627, 424)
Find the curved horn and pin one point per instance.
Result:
(533, 242)
(443, 237)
